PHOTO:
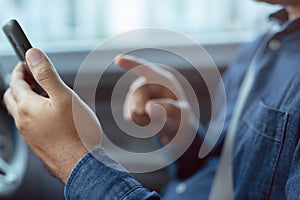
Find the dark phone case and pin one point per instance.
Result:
(21, 44)
(3, 87)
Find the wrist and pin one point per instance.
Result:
(70, 157)
(62, 158)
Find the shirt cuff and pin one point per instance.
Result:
(97, 176)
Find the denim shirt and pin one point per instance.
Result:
(266, 153)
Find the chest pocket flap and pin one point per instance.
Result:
(257, 149)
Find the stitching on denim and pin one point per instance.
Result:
(129, 191)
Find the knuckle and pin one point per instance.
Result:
(133, 96)
(132, 99)
(137, 84)
(22, 109)
(18, 125)
(141, 120)
(6, 93)
(21, 125)
(140, 93)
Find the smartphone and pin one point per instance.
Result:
(21, 44)
(3, 87)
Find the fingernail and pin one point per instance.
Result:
(127, 56)
(34, 57)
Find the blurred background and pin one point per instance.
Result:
(68, 30)
(83, 23)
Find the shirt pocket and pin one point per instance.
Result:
(257, 150)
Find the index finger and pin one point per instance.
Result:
(19, 87)
(139, 67)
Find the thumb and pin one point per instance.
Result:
(170, 117)
(43, 72)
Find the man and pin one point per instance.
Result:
(266, 161)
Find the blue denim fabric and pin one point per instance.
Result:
(97, 176)
(266, 153)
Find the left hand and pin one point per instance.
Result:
(50, 126)
(157, 91)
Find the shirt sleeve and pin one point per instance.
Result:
(97, 176)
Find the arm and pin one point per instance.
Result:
(157, 89)
(98, 176)
(61, 130)
(141, 99)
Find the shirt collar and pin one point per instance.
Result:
(284, 26)
(280, 17)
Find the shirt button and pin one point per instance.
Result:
(274, 45)
(181, 188)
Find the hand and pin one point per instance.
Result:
(50, 126)
(156, 88)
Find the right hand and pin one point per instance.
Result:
(156, 88)
(60, 128)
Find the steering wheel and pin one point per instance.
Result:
(13, 152)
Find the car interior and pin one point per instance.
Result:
(68, 31)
